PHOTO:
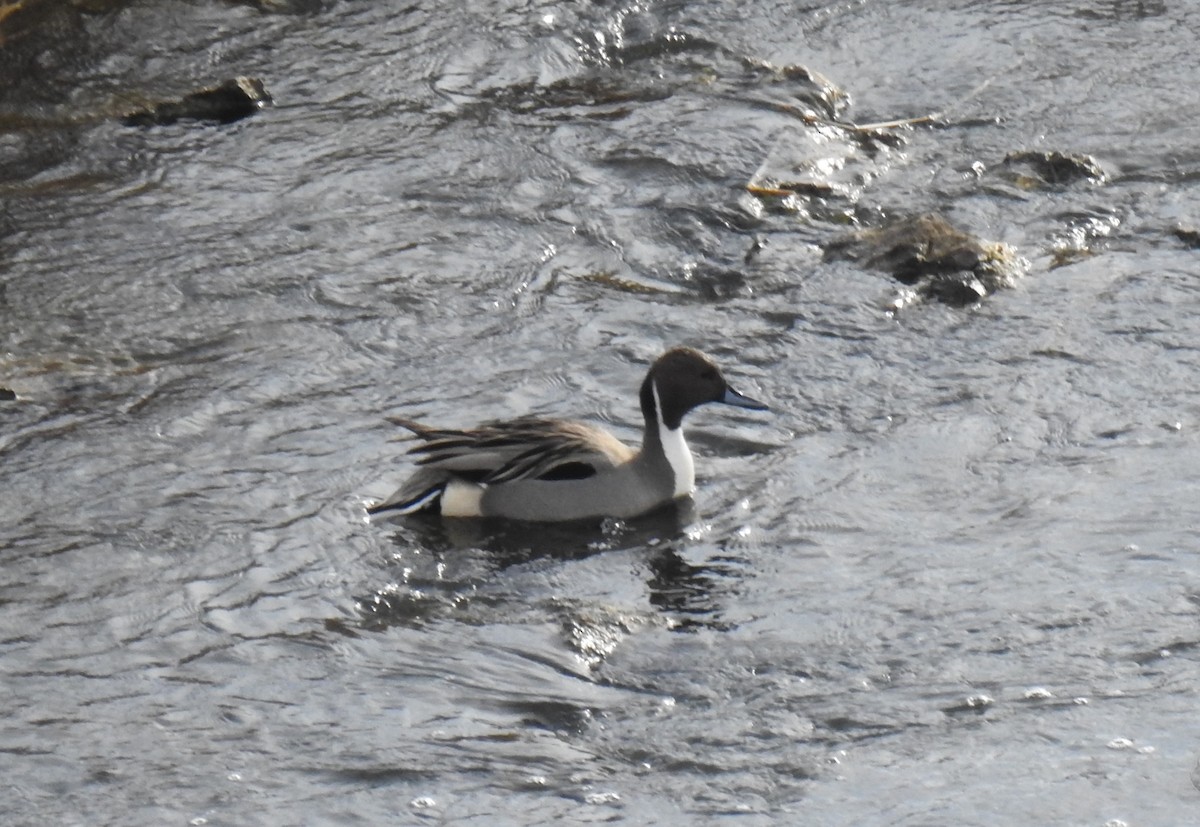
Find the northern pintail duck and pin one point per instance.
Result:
(550, 470)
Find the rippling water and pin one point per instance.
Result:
(951, 579)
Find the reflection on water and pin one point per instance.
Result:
(447, 569)
(953, 573)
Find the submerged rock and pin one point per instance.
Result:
(1051, 167)
(285, 6)
(934, 258)
(818, 171)
(801, 85)
(668, 64)
(227, 102)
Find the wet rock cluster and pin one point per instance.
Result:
(816, 173)
(822, 172)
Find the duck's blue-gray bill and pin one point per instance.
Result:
(732, 397)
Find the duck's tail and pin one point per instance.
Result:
(421, 493)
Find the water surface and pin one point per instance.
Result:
(951, 579)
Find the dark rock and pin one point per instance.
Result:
(919, 246)
(910, 248)
(1056, 167)
(7, 395)
(1188, 235)
(958, 289)
(936, 258)
(230, 101)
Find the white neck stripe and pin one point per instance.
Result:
(676, 450)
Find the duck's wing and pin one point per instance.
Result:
(527, 448)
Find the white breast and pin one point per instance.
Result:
(676, 449)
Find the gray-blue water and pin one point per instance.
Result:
(952, 579)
